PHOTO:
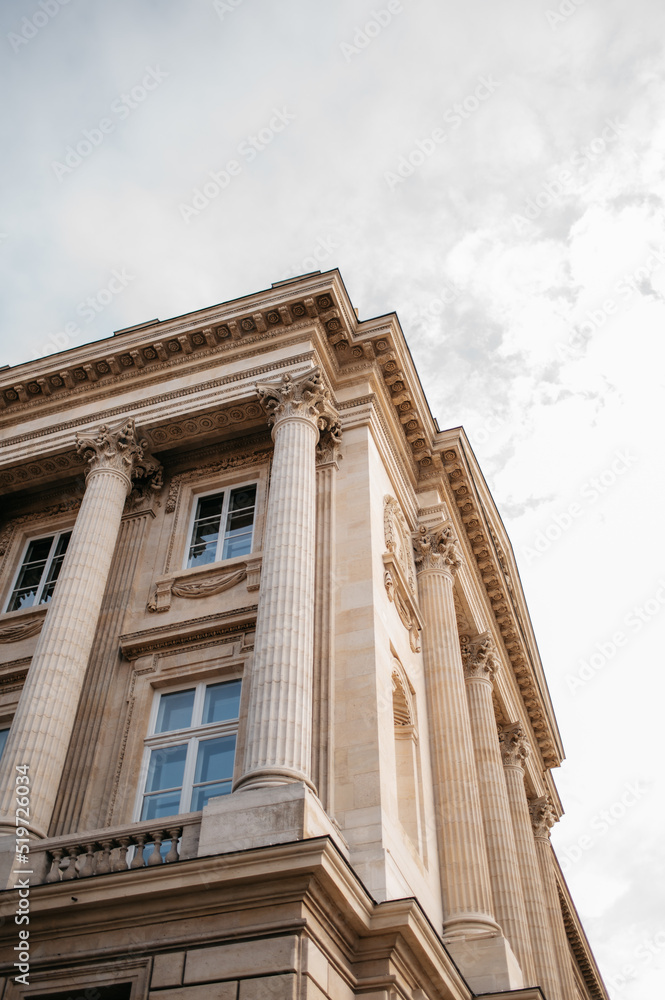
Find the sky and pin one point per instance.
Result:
(493, 172)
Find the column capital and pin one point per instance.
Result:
(543, 816)
(118, 449)
(479, 657)
(436, 547)
(303, 397)
(514, 745)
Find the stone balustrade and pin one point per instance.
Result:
(99, 852)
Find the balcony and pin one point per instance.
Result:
(116, 849)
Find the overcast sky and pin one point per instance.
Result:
(491, 171)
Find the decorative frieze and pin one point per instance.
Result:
(203, 583)
(24, 627)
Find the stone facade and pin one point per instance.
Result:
(286, 729)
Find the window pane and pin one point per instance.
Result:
(246, 497)
(4, 733)
(156, 806)
(30, 576)
(38, 550)
(63, 542)
(54, 571)
(199, 555)
(175, 711)
(240, 546)
(215, 759)
(22, 599)
(205, 532)
(210, 507)
(201, 794)
(166, 768)
(222, 702)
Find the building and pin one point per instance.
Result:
(268, 680)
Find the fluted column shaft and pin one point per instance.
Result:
(542, 817)
(480, 664)
(514, 751)
(465, 879)
(44, 720)
(323, 751)
(69, 814)
(279, 723)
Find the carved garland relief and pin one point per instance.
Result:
(399, 574)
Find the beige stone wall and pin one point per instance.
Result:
(204, 420)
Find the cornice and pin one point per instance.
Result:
(149, 640)
(502, 591)
(192, 343)
(578, 941)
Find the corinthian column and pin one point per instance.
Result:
(44, 719)
(514, 751)
(543, 819)
(480, 665)
(279, 722)
(463, 861)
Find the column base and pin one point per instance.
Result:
(487, 963)
(260, 817)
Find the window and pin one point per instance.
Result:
(190, 751)
(4, 733)
(39, 571)
(223, 526)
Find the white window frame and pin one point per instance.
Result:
(192, 735)
(45, 572)
(227, 491)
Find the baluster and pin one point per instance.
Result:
(137, 860)
(56, 858)
(70, 872)
(156, 856)
(120, 862)
(173, 855)
(104, 861)
(87, 868)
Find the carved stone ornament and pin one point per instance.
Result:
(514, 745)
(543, 816)
(399, 577)
(302, 395)
(436, 548)
(397, 535)
(208, 586)
(14, 632)
(119, 450)
(479, 656)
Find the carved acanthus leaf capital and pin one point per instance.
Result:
(437, 548)
(118, 449)
(302, 395)
(543, 816)
(514, 745)
(479, 656)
